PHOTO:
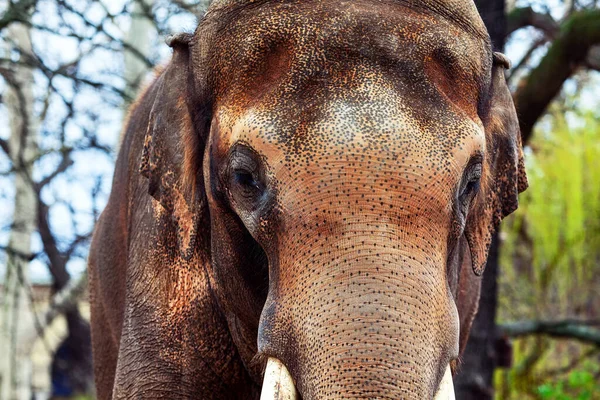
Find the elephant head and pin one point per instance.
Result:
(341, 166)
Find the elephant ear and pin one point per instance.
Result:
(504, 175)
(173, 147)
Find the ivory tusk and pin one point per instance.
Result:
(278, 383)
(446, 389)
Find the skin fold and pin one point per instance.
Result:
(313, 181)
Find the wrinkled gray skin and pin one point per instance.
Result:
(314, 181)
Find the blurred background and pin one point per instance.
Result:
(70, 68)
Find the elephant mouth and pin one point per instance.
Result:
(279, 385)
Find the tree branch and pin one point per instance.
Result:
(57, 261)
(593, 58)
(521, 17)
(17, 12)
(65, 163)
(4, 145)
(16, 253)
(60, 303)
(65, 298)
(513, 72)
(566, 329)
(569, 50)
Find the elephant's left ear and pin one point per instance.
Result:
(504, 174)
(173, 146)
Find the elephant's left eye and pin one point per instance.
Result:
(245, 178)
(470, 186)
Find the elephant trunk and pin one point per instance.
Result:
(279, 385)
(360, 333)
(368, 315)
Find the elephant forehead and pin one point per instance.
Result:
(313, 82)
(294, 53)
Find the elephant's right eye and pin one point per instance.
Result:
(470, 185)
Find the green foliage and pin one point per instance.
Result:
(551, 260)
(561, 208)
(580, 384)
(558, 221)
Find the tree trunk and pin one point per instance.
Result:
(136, 55)
(475, 378)
(493, 13)
(16, 317)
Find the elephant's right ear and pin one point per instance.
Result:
(504, 173)
(174, 145)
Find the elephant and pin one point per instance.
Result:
(308, 187)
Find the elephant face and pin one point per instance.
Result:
(353, 159)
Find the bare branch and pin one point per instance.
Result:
(64, 299)
(79, 239)
(521, 17)
(526, 57)
(5, 147)
(17, 12)
(125, 45)
(568, 51)
(15, 253)
(565, 329)
(65, 163)
(593, 58)
(60, 303)
(57, 260)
